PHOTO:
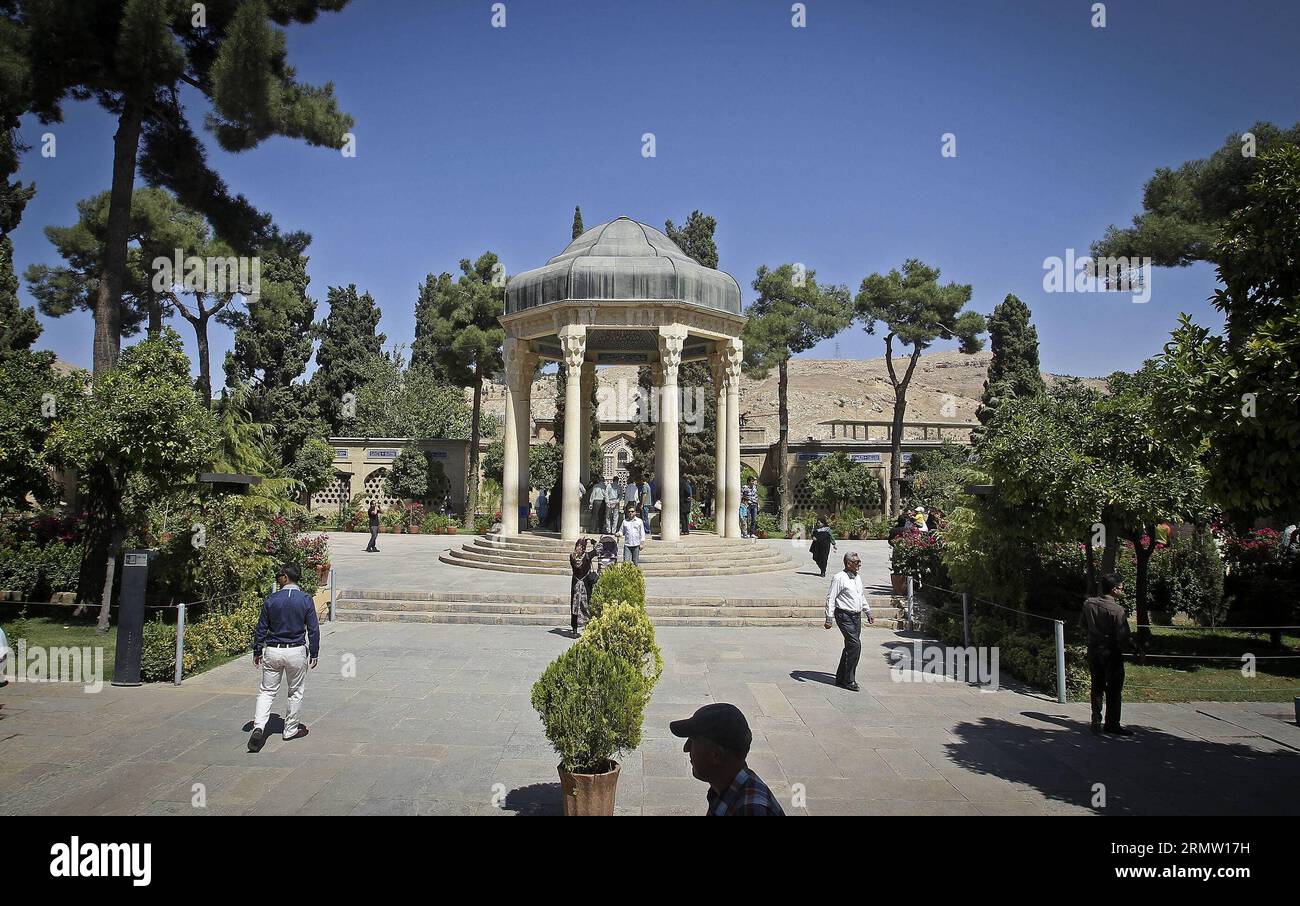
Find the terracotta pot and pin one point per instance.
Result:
(413, 530)
(451, 530)
(899, 584)
(589, 794)
(323, 573)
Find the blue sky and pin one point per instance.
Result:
(819, 145)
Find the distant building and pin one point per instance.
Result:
(361, 464)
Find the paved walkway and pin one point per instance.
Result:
(436, 719)
(411, 562)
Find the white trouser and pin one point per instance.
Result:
(292, 664)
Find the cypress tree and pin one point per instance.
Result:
(577, 222)
(1013, 371)
(349, 344)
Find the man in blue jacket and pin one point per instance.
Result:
(286, 644)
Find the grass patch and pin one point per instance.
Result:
(1209, 665)
(69, 632)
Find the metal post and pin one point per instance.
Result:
(180, 643)
(331, 594)
(965, 619)
(1060, 661)
(911, 622)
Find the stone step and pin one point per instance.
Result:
(560, 620)
(472, 598)
(666, 558)
(650, 570)
(772, 609)
(710, 543)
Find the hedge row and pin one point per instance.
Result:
(212, 636)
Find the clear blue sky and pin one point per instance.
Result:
(819, 145)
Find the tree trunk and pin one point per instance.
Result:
(896, 431)
(1143, 553)
(783, 448)
(471, 495)
(155, 317)
(108, 304)
(205, 366)
(1093, 585)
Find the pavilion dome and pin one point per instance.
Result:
(623, 261)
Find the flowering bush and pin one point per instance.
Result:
(413, 514)
(916, 554)
(1256, 554)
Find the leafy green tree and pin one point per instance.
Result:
(937, 477)
(32, 396)
(1240, 393)
(408, 479)
(695, 238)
(914, 310)
(272, 344)
(157, 227)
(837, 481)
(138, 58)
(577, 222)
(426, 354)
(142, 421)
(462, 323)
(1013, 370)
(1185, 210)
(396, 401)
(19, 328)
(349, 342)
(792, 314)
(313, 468)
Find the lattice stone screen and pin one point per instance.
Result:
(334, 495)
(375, 488)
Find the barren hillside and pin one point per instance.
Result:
(946, 387)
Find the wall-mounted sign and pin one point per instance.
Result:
(341, 453)
(381, 454)
(136, 559)
(438, 454)
(810, 457)
(864, 457)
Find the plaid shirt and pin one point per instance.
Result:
(749, 495)
(747, 795)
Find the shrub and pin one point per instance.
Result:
(592, 705)
(917, 554)
(38, 570)
(620, 582)
(1026, 655)
(215, 635)
(847, 523)
(625, 631)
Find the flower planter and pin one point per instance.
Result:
(413, 530)
(323, 573)
(589, 794)
(899, 584)
(451, 530)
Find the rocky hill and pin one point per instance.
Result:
(946, 387)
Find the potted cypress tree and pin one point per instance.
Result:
(591, 703)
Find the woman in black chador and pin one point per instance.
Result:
(580, 563)
(822, 542)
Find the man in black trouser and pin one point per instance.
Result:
(1106, 623)
(845, 605)
(374, 527)
(687, 498)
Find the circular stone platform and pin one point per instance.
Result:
(697, 554)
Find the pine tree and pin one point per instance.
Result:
(792, 314)
(460, 323)
(426, 355)
(137, 58)
(18, 326)
(1013, 371)
(695, 238)
(577, 222)
(349, 345)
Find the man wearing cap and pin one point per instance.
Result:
(718, 739)
(281, 649)
(845, 605)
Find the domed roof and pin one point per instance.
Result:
(623, 261)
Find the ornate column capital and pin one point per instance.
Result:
(573, 344)
(733, 353)
(671, 340)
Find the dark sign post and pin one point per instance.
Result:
(130, 618)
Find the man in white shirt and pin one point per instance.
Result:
(633, 535)
(845, 605)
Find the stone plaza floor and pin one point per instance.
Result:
(436, 720)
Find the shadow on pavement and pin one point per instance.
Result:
(535, 799)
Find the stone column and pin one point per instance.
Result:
(656, 388)
(733, 351)
(510, 468)
(671, 340)
(573, 342)
(718, 368)
(588, 394)
(528, 362)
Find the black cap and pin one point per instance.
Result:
(722, 723)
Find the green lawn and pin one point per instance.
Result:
(70, 632)
(1208, 667)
